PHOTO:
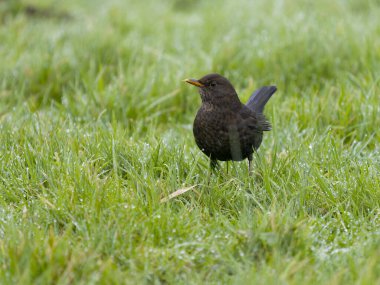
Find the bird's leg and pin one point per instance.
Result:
(227, 166)
(250, 165)
(213, 166)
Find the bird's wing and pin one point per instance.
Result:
(255, 121)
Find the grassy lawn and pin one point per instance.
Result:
(96, 128)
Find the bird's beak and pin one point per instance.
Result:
(194, 82)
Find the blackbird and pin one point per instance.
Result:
(224, 128)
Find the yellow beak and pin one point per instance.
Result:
(194, 82)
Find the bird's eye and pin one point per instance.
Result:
(212, 83)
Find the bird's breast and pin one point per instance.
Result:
(214, 131)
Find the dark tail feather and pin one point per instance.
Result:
(260, 97)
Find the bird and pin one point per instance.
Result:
(224, 128)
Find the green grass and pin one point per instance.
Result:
(95, 128)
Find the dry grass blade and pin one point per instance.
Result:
(177, 193)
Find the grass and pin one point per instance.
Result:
(95, 129)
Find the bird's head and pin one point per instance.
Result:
(216, 89)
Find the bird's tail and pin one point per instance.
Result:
(260, 97)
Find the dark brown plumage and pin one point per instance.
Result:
(224, 128)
